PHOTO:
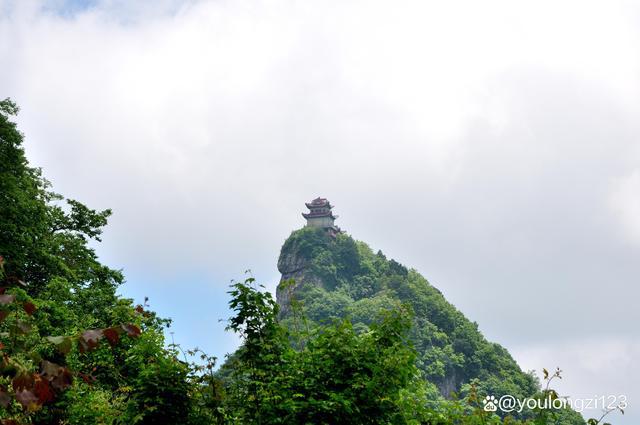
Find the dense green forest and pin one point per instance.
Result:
(328, 278)
(339, 277)
(359, 339)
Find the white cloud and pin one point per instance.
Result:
(625, 203)
(591, 368)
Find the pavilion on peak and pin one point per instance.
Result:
(320, 215)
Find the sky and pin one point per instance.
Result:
(492, 146)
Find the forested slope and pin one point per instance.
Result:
(337, 277)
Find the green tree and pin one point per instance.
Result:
(48, 266)
(337, 376)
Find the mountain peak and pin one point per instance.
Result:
(335, 276)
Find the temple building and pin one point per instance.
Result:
(320, 215)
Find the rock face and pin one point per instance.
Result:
(296, 269)
(291, 266)
(295, 263)
(448, 385)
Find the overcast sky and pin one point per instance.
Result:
(491, 145)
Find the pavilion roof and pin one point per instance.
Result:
(319, 203)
